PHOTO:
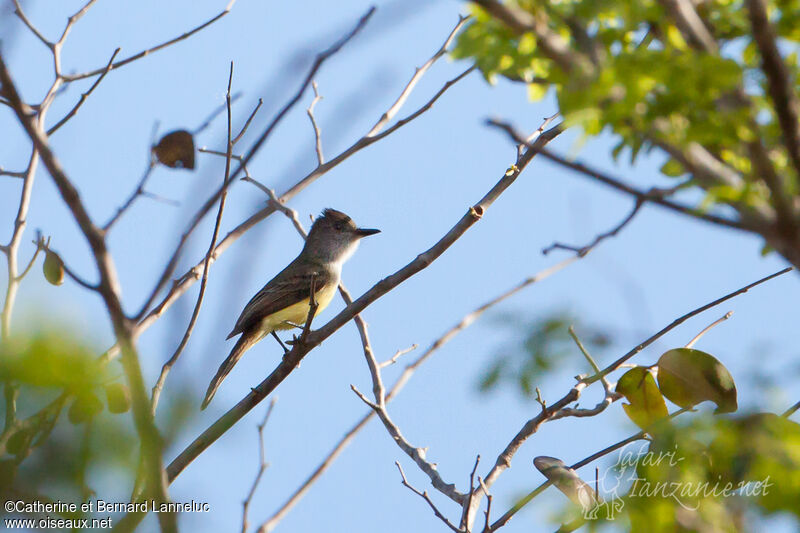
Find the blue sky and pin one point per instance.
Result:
(414, 186)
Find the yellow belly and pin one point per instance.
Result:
(297, 313)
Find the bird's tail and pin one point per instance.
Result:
(241, 346)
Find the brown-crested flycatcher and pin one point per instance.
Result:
(284, 302)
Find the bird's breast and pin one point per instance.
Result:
(298, 313)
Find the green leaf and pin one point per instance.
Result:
(646, 403)
(53, 268)
(85, 407)
(675, 38)
(118, 398)
(51, 359)
(536, 91)
(688, 377)
(492, 376)
(567, 481)
(672, 168)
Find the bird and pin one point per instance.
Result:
(284, 302)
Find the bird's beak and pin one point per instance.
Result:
(363, 232)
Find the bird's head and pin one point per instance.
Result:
(334, 237)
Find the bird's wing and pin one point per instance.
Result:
(282, 291)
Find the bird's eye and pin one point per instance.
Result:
(338, 226)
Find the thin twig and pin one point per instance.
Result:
(790, 411)
(560, 408)
(222, 107)
(678, 321)
(262, 466)
(109, 289)
(318, 62)
(137, 192)
(708, 328)
(583, 250)
(317, 134)
(39, 242)
(397, 355)
(143, 53)
(418, 74)
(192, 275)
(500, 522)
(488, 512)
(21, 14)
(401, 381)
(589, 358)
(12, 174)
(84, 96)
(247, 122)
(424, 496)
(299, 350)
(156, 391)
(655, 196)
(470, 494)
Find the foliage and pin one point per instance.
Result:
(546, 346)
(628, 68)
(714, 471)
(51, 373)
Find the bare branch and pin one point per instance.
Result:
(790, 411)
(262, 466)
(500, 522)
(396, 355)
(32, 260)
(167, 366)
(12, 174)
(84, 96)
(418, 455)
(143, 53)
(708, 328)
(470, 494)
(109, 290)
(407, 373)
(12, 249)
(207, 122)
(21, 14)
(320, 59)
(317, 135)
(247, 122)
(488, 511)
(192, 275)
(590, 359)
(300, 349)
(139, 191)
(418, 74)
(680, 320)
(583, 250)
(654, 196)
(424, 496)
(290, 213)
(560, 408)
